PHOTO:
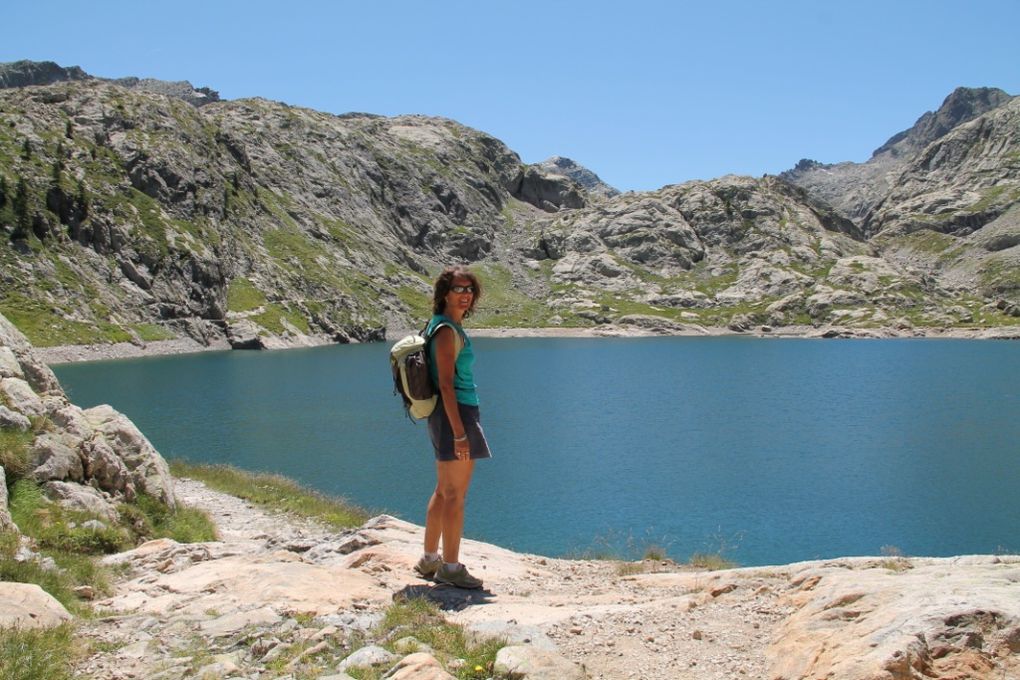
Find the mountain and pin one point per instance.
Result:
(136, 215)
(856, 188)
(940, 198)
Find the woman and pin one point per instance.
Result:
(454, 426)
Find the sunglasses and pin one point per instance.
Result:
(462, 289)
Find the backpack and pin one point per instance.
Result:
(409, 362)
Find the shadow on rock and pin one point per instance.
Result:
(449, 598)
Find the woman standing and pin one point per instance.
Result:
(454, 426)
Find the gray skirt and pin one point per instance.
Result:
(441, 433)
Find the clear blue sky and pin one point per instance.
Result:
(643, 92)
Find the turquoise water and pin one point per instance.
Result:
(770, 450)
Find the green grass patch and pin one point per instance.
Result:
(37, 654)
(710, 561)
(273, 492)
(272, 319)
(419, 303)
(14, 445)
(504, 305)
(58, 584)
(44, 326)
(243, 296)
(150, 332)
(58, 529)
(149, 518)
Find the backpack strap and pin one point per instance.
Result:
(428, 335)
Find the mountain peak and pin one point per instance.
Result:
(558, 165)
(962, 105)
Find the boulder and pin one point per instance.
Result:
(369, 656)
(69, 418)
(22, 397)
(26, 605)
(12, 338)
(82, 498)
(147, 469)
(418, 666)
(524, 662)
(52, 459)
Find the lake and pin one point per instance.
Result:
(768, 450)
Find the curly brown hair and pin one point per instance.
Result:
(445, 281)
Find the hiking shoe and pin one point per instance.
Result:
(458, 577)
(427, 568)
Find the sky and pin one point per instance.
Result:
(644, 93)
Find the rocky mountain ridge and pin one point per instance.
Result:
(856, 188)
(27, 73)
(134, 216)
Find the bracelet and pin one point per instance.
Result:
(460, 439)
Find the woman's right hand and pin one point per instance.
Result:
(462, 449)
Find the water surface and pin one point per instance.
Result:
(772, 450)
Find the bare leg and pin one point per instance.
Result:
(434, 522)
(445, 514)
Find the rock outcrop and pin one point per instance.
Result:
(877, 618)
(558, 165)
(85, 459)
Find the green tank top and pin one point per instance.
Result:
(463, 374)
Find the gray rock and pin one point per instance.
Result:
(856, 188)
(9, 366)
(69, 418)
(418, 666)
(22, 397)
(547, 191)
(147, 469)
(369, 656)
(104, 468)
(50, 458)
(557, 165)
(81, 497)
(524, 662)
(13, 420)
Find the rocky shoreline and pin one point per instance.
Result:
(275, 583)
(635, 327)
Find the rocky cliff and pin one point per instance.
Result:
(132, 215)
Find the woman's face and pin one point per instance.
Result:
(460, 296)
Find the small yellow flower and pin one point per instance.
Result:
(479, 669)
